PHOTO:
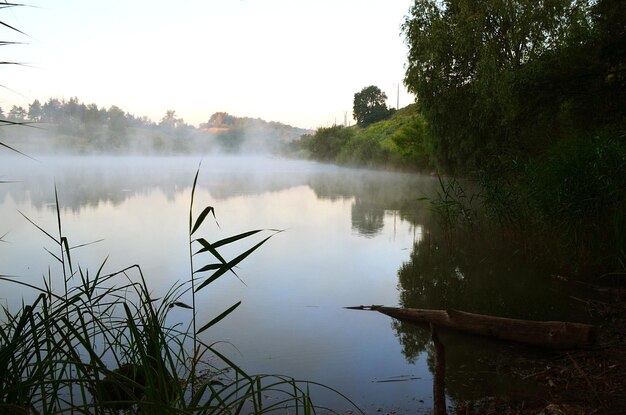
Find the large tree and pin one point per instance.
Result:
(370, 106)
(508, 75)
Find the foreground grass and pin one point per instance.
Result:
(104, 345)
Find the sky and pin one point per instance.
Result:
(298, 62)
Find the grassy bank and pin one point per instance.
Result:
(399, 142)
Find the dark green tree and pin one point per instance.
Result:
(92, 117)
(501, 76)
(326, 143)
(370, 106)
(117, 119)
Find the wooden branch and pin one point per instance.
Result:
(549, 334)
(439, 377)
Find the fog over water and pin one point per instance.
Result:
(79, 129)
(349, 237)
(344, 230)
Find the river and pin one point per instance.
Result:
(349, 237)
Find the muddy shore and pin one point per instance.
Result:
(576, 382)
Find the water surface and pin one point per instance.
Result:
(349, 237)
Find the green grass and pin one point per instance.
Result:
(104, 345)
(565, 207)
(400, 142)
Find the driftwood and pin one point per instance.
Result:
(549, 334)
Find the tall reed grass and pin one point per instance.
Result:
(104, 345)
(566, 207)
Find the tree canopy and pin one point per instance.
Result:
(493, 76)
(370, 106)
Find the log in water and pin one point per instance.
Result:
(549, 334)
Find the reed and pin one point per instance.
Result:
(564, 207)
(104, 345)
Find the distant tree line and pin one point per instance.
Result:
(234, 134)
(71, 125)
(91, 127)
(57, 111)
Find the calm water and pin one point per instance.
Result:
(351, 237)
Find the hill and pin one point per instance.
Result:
(398, 142)
(76, 128)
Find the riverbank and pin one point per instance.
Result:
(577, 382)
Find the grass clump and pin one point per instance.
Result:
(565, 207)
(578, 189)
(104, 344)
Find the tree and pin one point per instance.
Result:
(170, 121)
(35, 112)
(220, 119)
(51, 110)
(17, 113)
(117, 126)
(495, 76)
(370, 106)
(117, 119)
(92, 116)
(326, 143)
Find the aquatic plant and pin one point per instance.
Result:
(455, 206)
(104, 343)
(565, 207)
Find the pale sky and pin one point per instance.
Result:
(294, 61)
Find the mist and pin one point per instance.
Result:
(74, 128)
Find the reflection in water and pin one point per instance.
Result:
(375, 193)
(91, 181)
(291, 320)
(481, 276)
(476, 367)
(323, 260)
(367, 218)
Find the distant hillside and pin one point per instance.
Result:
(398, 142)
(74, 127)
(235, 134)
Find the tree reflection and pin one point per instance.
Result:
(480, 275)
(91, 181)
(375, 193)
(367, 218)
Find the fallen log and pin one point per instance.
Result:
(549, 334)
